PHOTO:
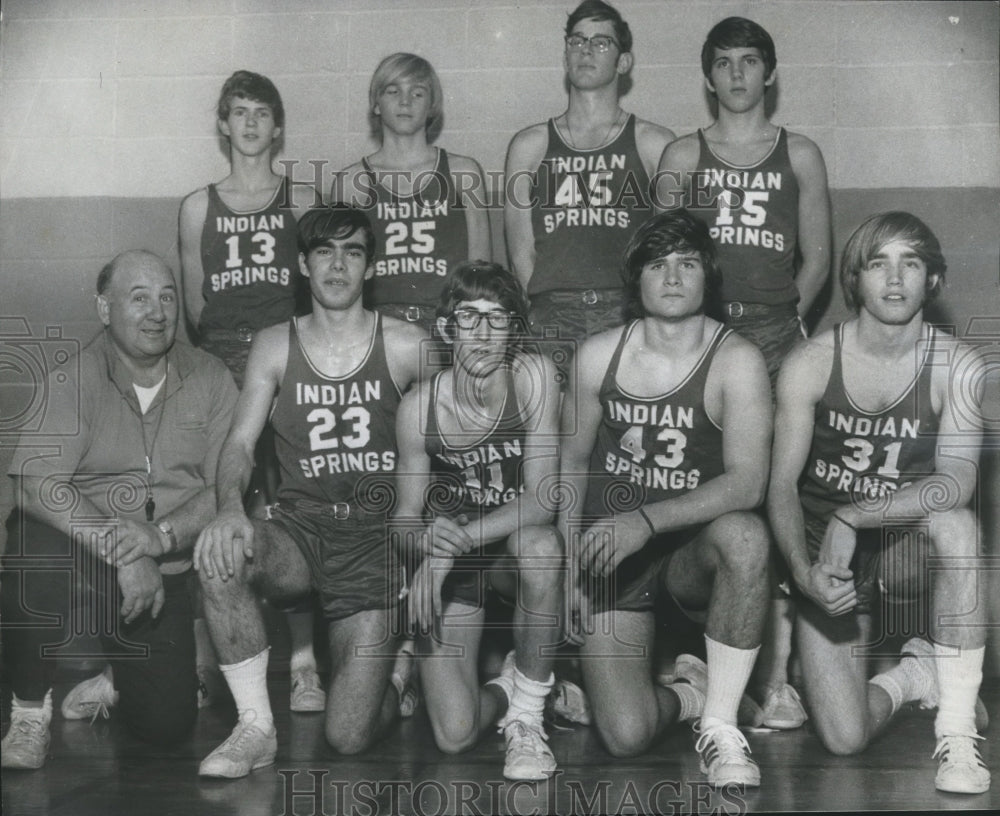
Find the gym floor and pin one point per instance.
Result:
(98, 769)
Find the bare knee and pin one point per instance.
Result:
(626, 736)
(454, 737)
(539, 558)
(347, 740)
(742, 542)
(953, 532)
(843, 741)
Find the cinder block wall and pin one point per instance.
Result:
(108, 117)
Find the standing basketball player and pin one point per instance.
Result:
(762, 191)
(427, 206)
(239, 266)
(666, 430)
(475, 445)
(578, 186)
(331, 382)
(862, 480)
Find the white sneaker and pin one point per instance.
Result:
(307, 692)
(960, 766)
(695, 671)
(27, 740)
(92, 698)
(406, 678)
(724, 756)
(567, 700)
(246, 749)
(528, 755)
(922, 660)
(783, 709)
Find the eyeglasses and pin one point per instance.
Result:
(470, 318)
(599, 42)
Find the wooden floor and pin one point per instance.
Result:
(97, 769)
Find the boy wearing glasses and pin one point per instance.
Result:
(330, 383)
(762, 190)
(666, 426)
(578, 186)
(427, 206)
(874, 473)
(476, 443)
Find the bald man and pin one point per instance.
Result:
(151, 414)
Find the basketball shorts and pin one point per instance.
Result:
(352, 564)
(641, 579)
(891, 562)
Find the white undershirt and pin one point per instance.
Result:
(147, 395)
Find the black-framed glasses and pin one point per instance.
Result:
(599, 42)
(469, 318)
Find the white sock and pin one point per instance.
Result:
(691, 699)
(959, 678)
(248, 682)
(888, 684)
(906, 682)
(729, 671)
(527, 700)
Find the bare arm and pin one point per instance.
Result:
(650, 141)
(191, 221)
(265, 368)
(525, 153)
(814, 236)
(738, 371)
(670, 184)
(956, 464)
(538, 396)
(468, 179)
(800, 386)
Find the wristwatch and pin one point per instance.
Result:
(167, 529)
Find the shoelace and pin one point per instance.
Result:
(27, 728)
(728, 743)
(959, 750)
(524, 737)
(98, 708)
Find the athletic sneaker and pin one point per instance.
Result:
(246, 749)
(960, 766)
(92, 698)
(695, 671)
(27, 741)
(528, 755)
(783, 709)
(307, 692)
(568, 701)
(724, 755)
(406, 678)
(920, 657)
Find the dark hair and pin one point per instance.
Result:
(256, 87)
(738, 32)
(334, 222)
(600, 11)
(674, 231)
(881, 229)
(484, 280)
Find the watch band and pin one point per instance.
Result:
(167, 529)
